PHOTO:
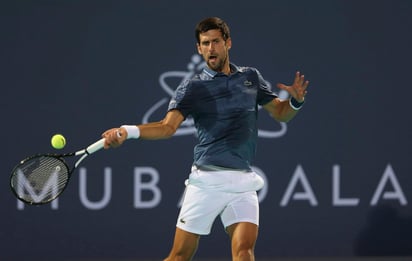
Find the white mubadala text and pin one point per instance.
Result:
(299, 189)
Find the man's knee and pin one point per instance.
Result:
(243, 248)
(184, 246)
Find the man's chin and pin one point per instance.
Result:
(214, 66)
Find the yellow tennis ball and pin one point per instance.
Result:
(58, 141)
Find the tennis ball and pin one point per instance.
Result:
(58, 141)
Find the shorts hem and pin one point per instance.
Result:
(243, 220)
(193, 231)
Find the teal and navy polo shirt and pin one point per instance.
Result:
(224, 109)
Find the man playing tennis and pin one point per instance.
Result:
(223, 101)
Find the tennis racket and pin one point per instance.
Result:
(41, 178)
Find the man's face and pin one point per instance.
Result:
(215, 50)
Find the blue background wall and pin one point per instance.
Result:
(338, 176)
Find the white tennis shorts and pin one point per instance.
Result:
(229, 194)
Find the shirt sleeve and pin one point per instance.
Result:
(181, 99)
(265, 93)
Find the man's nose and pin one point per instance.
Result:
(212, 46)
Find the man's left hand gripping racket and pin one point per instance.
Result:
(41, 178)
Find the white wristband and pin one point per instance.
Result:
(133, 132)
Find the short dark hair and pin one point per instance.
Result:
(210, 24)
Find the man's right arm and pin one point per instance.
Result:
(150, 131)
(162, 129)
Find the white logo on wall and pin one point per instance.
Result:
(195, 66)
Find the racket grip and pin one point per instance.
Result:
(95, 146)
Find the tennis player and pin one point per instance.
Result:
(223, 101)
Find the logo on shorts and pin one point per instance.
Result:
(182, 221)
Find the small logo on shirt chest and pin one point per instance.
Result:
(247, 83)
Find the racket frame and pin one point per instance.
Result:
(83, 152)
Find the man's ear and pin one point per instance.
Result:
(229, 43)
(198, 49)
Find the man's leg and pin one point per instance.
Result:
(184, 246)
(243, 237)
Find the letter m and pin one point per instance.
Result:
(45, 189)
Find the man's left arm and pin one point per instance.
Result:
(285, 110)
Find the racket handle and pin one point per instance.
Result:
(95, 146)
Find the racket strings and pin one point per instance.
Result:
(40, 179)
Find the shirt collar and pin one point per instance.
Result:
(211, 73)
